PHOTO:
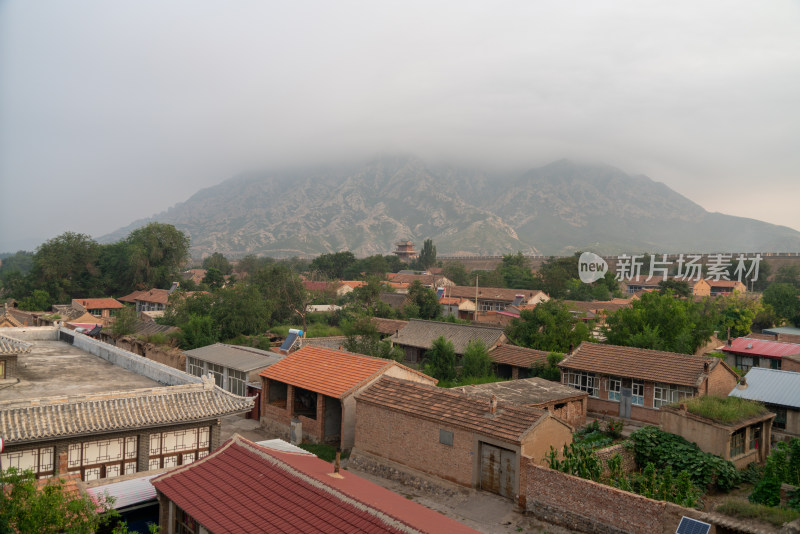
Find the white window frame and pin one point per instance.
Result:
(237, 382)
(195, 366)
(669, 393)
(583, 381)
(614, 389)
(637, 390)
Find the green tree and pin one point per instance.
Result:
(285, 291)
(214, 278)
(679, 288)
(556, 274)
(66, 267)
(333, 266)
(27, 507)
(516, 272)
(199, 331)
(549, 326)
(427, 256)
(788, 274)
(365, 298)
(783, 300)
(487, 278)
(440, 360)
(219, 262)
(39, 301)
(363, 338)
(550, 369)
(158, 253)
(240, 310)
(476, 363)
(736, 313)
(456, 272)
(427, 305)
(124, 322)
(662, 322)
(251, 263)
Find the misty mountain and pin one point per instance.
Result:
(555, 209)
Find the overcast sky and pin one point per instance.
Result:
(116, 110)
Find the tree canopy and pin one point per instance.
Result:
(549, 326)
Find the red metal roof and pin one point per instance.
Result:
(326, 371)
(243, 487)
(761, 348)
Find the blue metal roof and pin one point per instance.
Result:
(770, 386)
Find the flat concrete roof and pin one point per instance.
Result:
(523, 392)
(57, 368)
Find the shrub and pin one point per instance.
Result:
(741, 508)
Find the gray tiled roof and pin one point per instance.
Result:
(10, 345)
(62, 417)
(770, 386)
(235, 356)
(421, 334)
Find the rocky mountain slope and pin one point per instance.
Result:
(556, 209)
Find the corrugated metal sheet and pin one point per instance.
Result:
(235, 356)
(761, 348)
(127, 492)
(770, 386)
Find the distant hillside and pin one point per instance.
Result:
(555, 209)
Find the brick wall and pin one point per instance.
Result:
(168, 356)
(277, 419)
(415, 443)
(573, 413)
(588, 506)
(720, 381)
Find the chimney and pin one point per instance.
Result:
(62, 463)
(705, 367)
(683, 407)
(493, 405)
(341, 347)
(337, 462)
(743, 383)
(571, 348)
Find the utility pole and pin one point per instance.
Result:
(475, 318)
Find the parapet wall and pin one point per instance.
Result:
(159, 372)
(31, 333)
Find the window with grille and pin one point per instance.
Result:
(218, 372)
(668, 393)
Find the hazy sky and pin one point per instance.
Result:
(115, 110)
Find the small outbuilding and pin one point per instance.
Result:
(312, 392)
(471, 441)
(232, 366)
(742, 438)
(564, 402)
(10, 348)
(780, 393)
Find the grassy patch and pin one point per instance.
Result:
(313, 330)
(726, 410)
(744, 509)
(322, 451)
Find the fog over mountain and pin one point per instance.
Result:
(555, 209)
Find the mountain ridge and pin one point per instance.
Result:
(365, 208)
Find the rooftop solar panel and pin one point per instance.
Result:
(692, 526)
(291, 338)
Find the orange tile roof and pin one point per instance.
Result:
(641, 364)
(100, 304)
(329, 372)
(492, 293)
(447, 407)
(518, 356)
(353, 283)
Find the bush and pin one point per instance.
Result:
(663, 449)
(741, 508)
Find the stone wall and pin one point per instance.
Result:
(587, 506)
(628, 457)
(169, 356)
(374, 465)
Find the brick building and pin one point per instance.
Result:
(103, 309)
(515, 362)
(244, 487)
(634, 383)
(745, 352)
(562, 401)
(110, 434)
(417, 337)
(316, 388)
(470, 441)
(741, 442)
(232, 366)
(780, 393)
